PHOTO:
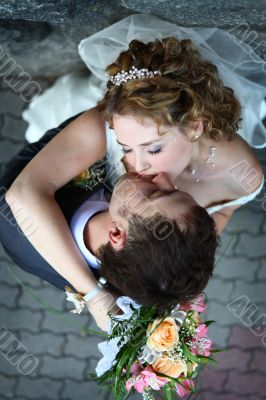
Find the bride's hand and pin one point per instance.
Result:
(100, 305)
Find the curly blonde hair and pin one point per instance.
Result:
(189, 89)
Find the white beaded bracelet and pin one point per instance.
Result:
(79, 300)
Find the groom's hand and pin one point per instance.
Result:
(100, 305)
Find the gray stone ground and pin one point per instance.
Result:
(65, 354)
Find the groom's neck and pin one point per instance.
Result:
(96, 231)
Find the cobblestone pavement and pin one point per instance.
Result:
(65, 354)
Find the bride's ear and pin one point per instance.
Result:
(196, 130)
(117, 235)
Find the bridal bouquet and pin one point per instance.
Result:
(152, 355)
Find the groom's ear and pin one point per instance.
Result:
(117, 235)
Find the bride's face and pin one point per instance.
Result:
(149, 153)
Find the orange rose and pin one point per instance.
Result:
(165, 336)
(169, 367)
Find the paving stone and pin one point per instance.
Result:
(43, 343)
(258, 362)
(218, 289)
(11, 103)
(8, 150)
(237, 359)
(84, 347)
(85, 390)
(7, 385)
(26, 278)
(256, 293)
(227, 245)
(37, 388)
(14, 128)
(249, 221)
(6, 368)
(20, 319)
(9, 369)
(50, 295)
(65, 322)
(236, 268)
(243, 337)
(220, 313)
(219, 335)
(8, 295)
(251, 383)
(262, 272)
(212, 379)
(5, 276)
(67, 367)
(211, 395)
(258, 205)
(251, 246)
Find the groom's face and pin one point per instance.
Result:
(148, 195)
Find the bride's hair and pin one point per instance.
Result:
(162, 271)
(188, 89)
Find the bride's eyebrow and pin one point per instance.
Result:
(143, 144)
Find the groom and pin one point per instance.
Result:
(152, 243)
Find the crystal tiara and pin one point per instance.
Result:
(133, 73)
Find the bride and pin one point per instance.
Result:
(181, 119)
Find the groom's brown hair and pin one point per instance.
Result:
(163, 272)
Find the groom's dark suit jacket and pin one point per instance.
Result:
(14, 242)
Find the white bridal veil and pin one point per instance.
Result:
(239, 67)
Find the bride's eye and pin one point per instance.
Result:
(126, 151)
(157, 151)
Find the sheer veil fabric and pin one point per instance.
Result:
(239, 68)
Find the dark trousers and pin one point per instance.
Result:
(14, 242)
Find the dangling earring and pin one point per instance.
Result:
(195, 137)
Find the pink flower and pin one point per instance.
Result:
(201, 346)
(201, 331)
(146, 378)
(135, 368)
(185, 388)
(197, 304)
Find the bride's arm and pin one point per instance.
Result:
(71, 151)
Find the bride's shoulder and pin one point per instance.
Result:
(242, 170)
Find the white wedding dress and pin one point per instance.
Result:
(239, 68)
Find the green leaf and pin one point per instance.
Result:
(119, 368)
(218, 351)
(188, 354)
(131, 360)
(167, 391)
(207, 323)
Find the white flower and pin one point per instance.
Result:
(76, 299)
(110, 348)
(109, 351)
